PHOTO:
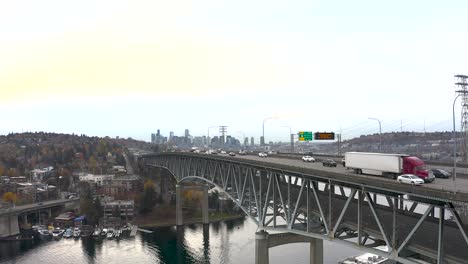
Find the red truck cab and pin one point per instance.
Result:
(414, 165)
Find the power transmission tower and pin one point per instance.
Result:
(223, 131)
(462, 88)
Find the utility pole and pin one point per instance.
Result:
(462, 91)
(223, 131)
(380, 132)
(462, 88)
(339, 144)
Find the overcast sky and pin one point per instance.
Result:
(127, 68)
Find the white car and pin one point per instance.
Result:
(262, 154)
(308, 159)
(410, 179)
(223, 152)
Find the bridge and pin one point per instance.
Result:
(364, 212)
(9, 225)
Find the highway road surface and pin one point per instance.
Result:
(449, 185)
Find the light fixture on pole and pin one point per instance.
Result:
(291, 137)
(263, 129)
(380, 132)
(208, 138)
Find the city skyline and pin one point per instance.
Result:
(124, 69)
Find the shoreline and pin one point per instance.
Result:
(172, 222)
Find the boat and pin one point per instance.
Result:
(44, 233)
(368, 258)
(86, 231)
(110, 233)
(118, 232)
(68, 233)
(76, 233)
(57, 233)
(104, 232)
(97, 232)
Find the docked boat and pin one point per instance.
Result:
(57, 233)
(118, 232)
(86, 231)
(97, 232)
(104, 232)
(368, 258)
(76, 233)
(44, 234)
(68, 233)
(110, 233)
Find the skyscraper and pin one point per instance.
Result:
(187, 134)
(246, 141)
(252, 142)
(171, 136)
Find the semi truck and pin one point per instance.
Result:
(387, 165)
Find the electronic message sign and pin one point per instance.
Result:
(324, 136)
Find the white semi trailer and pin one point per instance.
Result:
(388, 165)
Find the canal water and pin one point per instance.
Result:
(230, 241)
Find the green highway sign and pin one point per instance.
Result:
(305, 135)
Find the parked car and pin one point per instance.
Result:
(329, 163)
(308, 159)
(242, 152)
(223, 152)
(410, 179)
(232, 154)
(262, 154)
(439, 173)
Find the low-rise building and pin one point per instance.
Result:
(40, 174)
(123, 185)
(65, 219)
(119, 208)
(96, 179)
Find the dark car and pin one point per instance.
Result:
(439, 173)
(329, 163)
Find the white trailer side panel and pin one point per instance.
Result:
(374, 162)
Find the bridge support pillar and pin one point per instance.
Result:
(261, 247)
(25, 219)
(205, 211)
(316, 251)
(179, 215)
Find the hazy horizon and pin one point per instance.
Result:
(125, 68)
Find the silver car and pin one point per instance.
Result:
(410, 179)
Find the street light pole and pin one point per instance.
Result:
(208, 143)
(292, 138)
(380, 132)
(454, 178)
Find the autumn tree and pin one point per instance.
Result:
(148, 198)
(9, 197)
(92, 163)
(192, 198)
(11, 172)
